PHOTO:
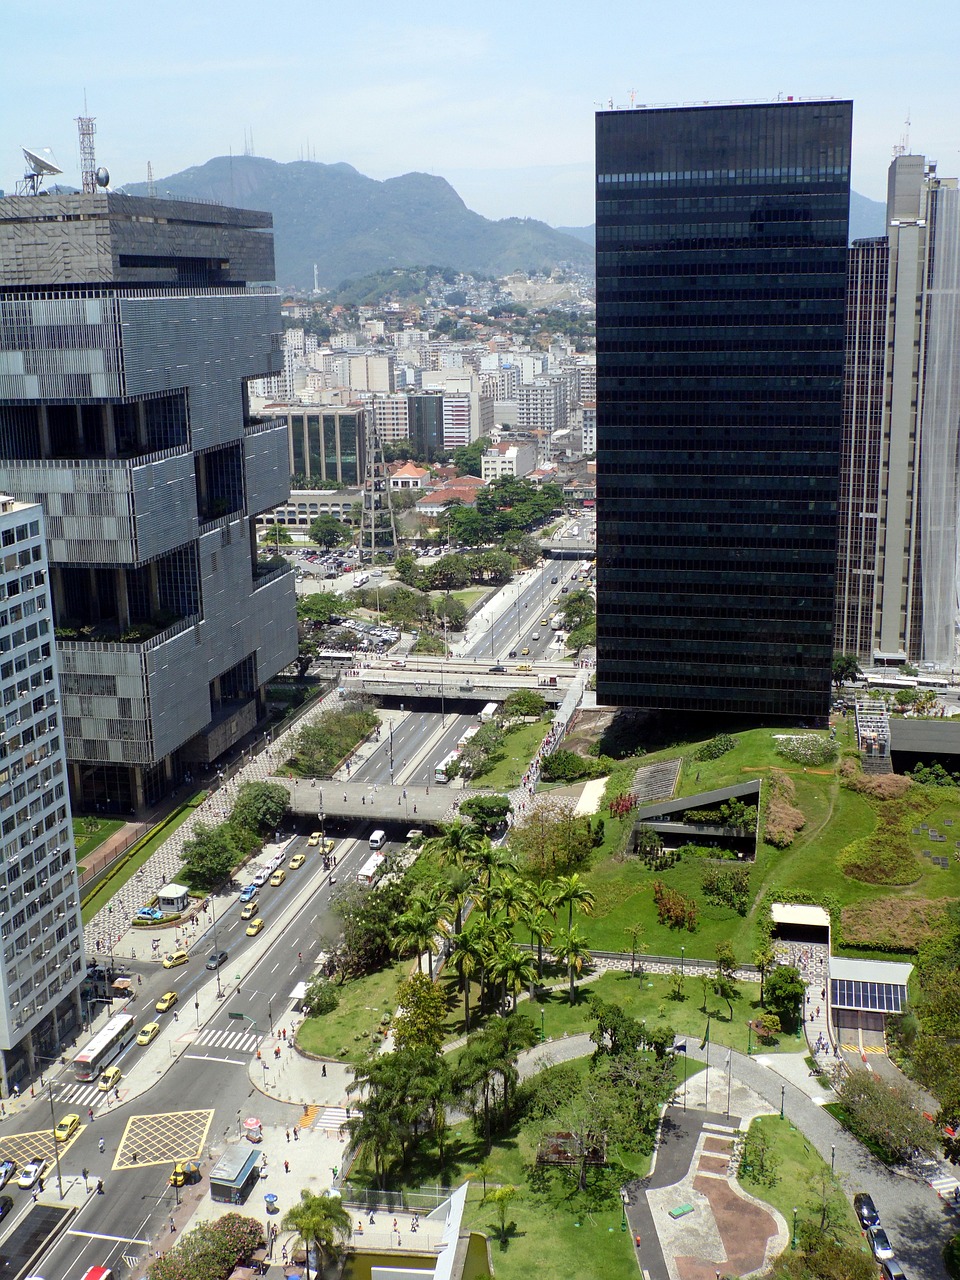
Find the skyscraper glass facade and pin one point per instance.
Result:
(721, 280)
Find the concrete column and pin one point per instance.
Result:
(94, 592)
(44, 425)
(142, 433)
(154, 588)
(109, 432)
(81, 440)
(139, 799)
(56, 592)
(123, 598)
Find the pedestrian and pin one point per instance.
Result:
(284, 1033)
(299, 957)
(296, 1134)
(286, 1166)
(176, 1016)
(395, 1227)
(173, 1226)
(288, 1135)
(283, 1254)
(100, 1144)
(818, 1011)
(139, 979)
(90, 1114)
(36, 1195)
(323, 1070)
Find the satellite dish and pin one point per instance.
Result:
(103, 177)
(41, 162)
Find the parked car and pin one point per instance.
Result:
(879, 1243)
(7, 1169)
(6, 1204)
(890, 1269)
(866, 1210)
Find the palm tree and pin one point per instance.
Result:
(510, 894)
(573, 889)
(456, 844)
(466, 955)
(569, 949)
(487, 861)
(540, 923)
(322, 1223)
(419, 925)
(515, 969)
(458, 882)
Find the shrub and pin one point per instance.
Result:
(782, 819)
(806, 748)
(934, 775)
(566, 766)
(673, 908)
(717, 747)
(321, 746)
(880, 786)
(321, 996)
(893, 924)
(727, 887)
(885, 857)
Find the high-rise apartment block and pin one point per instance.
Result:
(900, 493)
(40, 929)
(129, 329)
(721, 284)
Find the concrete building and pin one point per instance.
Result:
(128, 337)
(409, 476)
(327, 445)
(43, 963)
(304, 505)
(900, 484)
(507, 459)
(542, 405)
(588, 427)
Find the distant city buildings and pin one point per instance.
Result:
(721, 285)
(516, 460)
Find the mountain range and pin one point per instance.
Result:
(349, 225)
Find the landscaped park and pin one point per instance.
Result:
(522, 920)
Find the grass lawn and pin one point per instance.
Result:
(346, 1033)
(835, 817)
(510, 764)
(90, 833)
(469, 597)
(802, 1179)
(139, 855)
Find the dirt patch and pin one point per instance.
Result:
(894, 924)
(745, 1230)
(587, 729)
(718, 1144)
(713, 1164)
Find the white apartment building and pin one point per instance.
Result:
(43, 962)
(508, 460)
(543, 405)
(588, 424)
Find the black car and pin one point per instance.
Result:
(865, 1210)
(496, 670)
(512, 653)
(554, 580)
(216, 959)
(6, 1204)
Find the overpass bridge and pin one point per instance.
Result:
(435, 678)
(322, 799)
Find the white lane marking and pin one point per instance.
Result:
(206, 1057)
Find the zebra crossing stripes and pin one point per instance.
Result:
(332, 1118)
(85, 1095)
(945, 1187)
(241, 1041)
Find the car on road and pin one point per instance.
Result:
(498, 670)
(329, 845)
(554, 580)
(564, 590)
(278, 877)
(6, 1204)
(67, 1127)
(879, 1243)
(524, 651)
(890, 1269)
(512, 653)
(166, 1001)
(254, 927)
(544, 622)
(314, 839)
(535, 636)
(31, 1172)
(7, 1169)
(215, 959)
(866, 1210)
(297, 861)
(148, 1033)
(249, 911)
(110, 1077)
(173, 959)
(248, 892)
(262, 876)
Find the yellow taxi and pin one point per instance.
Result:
(328, 845)
(524, 651)
(278, 878)
(166, 1001)
(173, 959)
(110, 1077)
(314, 840)
(248, 911)
(544, 622)
(147, 1034)
(67, 1127)
(297, 861)
(254, 927)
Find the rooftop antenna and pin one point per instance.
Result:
(87, 128)
(903, 146)
(151, 185)
(40, 165)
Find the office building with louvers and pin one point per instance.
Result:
(129, 329)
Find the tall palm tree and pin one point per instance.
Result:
(419, 925)
(491, 938)
(456, 843)
(466, 956)
(488, 860)
(510, 894)
(322, 1223)
(458, 882)
(572, 890)
(515, 969)
(569, 949)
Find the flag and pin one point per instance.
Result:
(680, 1048)
(706, 1035)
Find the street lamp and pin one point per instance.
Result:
(833, 1156)
(623, 1208)
(56, 1144)
(783, 1090)
(542, 1037)
(682, 949)
(793, 1242)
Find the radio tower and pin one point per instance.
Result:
(375, 533)
(151, 185)
(87, 127)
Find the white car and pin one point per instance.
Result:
(31, 1173)
(262, 876)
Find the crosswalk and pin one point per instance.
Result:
(331, 1118)
(238, 1041)
(82, 1095)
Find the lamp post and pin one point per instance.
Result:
(793, 1242)
(833, 1156)
(542, 1036)
(682, 949)
(783, 1090)
(623, 1207)
(216, 950)
(56, 1144)
(749, 1036)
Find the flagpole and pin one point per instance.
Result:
(729, 1080)
(706, 1074)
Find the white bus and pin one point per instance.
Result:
(489, 712)
(441, 773)
(471, 732)
(104, 1047)
(933, 682)
(369, 873)
(891, 681)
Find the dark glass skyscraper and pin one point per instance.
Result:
(721, 280)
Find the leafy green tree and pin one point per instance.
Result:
(321, 996)
(488, 812)
(501, 1198)
(524, 702)
(261, 806)
(764, 958)
(615, 1032)
(319, 747)
(320, 606)
(449, 573)
(846, 667)
(322, 1223)
(209, 856)
(635, 934)
(467, 526)
(408, 571)
(211, 1249)
(421, 1013)
(368, 926)
(308, 647)
(451, 611)
(552, 840)
(583, 637)
(486, 1074)
(725, 983)
(327, 531)
(767, 1026)
(468, 458)
(578, 609)
(277, 535)
(785, 991)
(885, 1115)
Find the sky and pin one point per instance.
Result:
(498, 98)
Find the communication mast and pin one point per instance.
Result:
(151, 185)
(378, 529)
(87, 127)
